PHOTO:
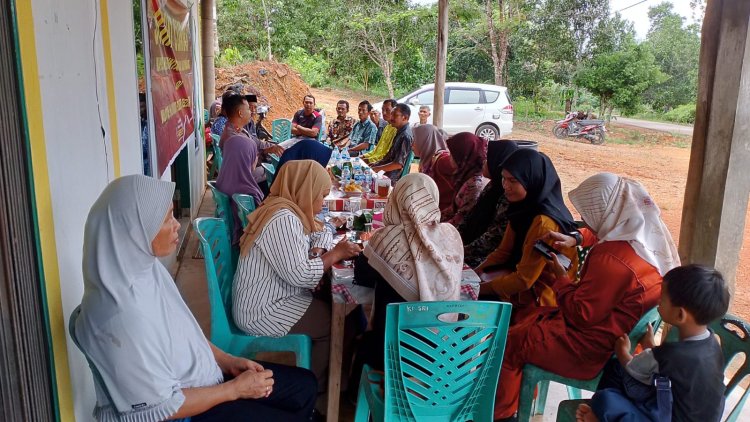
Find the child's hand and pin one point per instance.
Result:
(622, 349)
(648, 341)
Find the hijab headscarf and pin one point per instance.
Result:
(306, 149)
(134, 325)
(617, 208)
(297, 187)
(469, 152)
(418, 256)
(480, 217)
(538, 176)
(428, 140)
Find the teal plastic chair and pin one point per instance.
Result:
(437, 370)
(98, 380)
(407, 165)
(245, 206)
(533, 375)
(734, 335)
(206, 116)
(270, 173)
(274, 161)
(281, 130)
(218, 158)
(223, 207)
(220, 269)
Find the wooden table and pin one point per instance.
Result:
(346, 296)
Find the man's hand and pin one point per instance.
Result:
(275, 149)
(557, 267)
(234, 365)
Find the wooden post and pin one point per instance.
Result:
(442, 54)
(716, 195)
(208, 44)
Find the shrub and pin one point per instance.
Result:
(230, 57)
(312, 68)
(682, 114)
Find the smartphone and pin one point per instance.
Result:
(548, 250)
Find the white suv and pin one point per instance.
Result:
(485, 110)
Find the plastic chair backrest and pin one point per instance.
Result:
(407, 164)
(651, 317)
(270, 173)
(441, 369)
(281, 130)
(223, 207)
(734, 334)
(217, 254)
(245, 206)
(217, 151)
(206, 116)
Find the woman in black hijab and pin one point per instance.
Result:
(483, 228)
(515, 271)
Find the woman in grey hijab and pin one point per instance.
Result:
(154, 360)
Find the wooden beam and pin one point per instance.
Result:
(440, 63)
(208, 38)
(718, 185)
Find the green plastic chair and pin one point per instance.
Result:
(533, 375)
(98, 380)
(270, 173)
(220, 269)
(407, 165)
(223, 207)
(245, 206)
(206, 116)
(218, 158)
(734, 335)
(274, 160)
(437, 370)
(281, 130)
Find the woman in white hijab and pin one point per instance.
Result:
(155, 362)
(631, 250)
(414, 257)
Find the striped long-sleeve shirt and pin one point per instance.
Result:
(274, 281)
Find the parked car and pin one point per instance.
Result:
(485, 110)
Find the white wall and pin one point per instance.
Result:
(71, 67)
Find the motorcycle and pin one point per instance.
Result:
(591, 130)
(261, 131)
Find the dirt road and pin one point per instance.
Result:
(658, 126)
(656, 158)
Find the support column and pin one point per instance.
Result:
(208, 47)
(440, 63)
(718, 185)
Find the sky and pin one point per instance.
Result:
(638, 14)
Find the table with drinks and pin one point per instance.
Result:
(358, 195)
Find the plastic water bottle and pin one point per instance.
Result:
(359, 177)
(345, 154)
(335, 155)
(346, 175)
(325, 209)
(368, 181)
(357, 164)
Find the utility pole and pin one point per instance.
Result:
(442, 54)
(208, 43)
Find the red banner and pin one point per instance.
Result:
(171, 63)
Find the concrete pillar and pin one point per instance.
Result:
(718, 185)
(209, 45)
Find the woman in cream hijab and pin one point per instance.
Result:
(283, 254)
(414, 257)
(154, 361)
(631, 250)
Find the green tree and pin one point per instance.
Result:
(676, 47)
(619, 78)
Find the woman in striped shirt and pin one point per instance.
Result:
(283, 255)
